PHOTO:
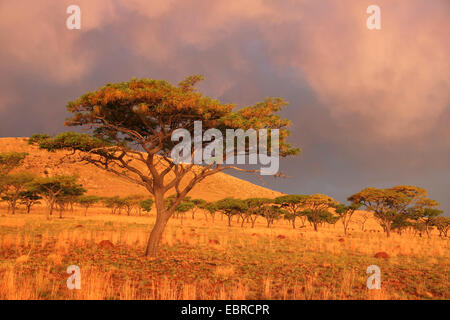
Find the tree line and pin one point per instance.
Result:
(396, 209)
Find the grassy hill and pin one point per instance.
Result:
(101, 183)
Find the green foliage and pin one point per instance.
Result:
(271, 213)
(11, 185)
(387, 204)
(11, 160)
(185, 206)
(294, 204)
(56, 188)
(230, 207)
(442, 224)
(87, 201)
(146, 204)
(29, 198)
(37, 138)
(345, 213)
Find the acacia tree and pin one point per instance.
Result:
(29, 198)
(198, 204)
(50, 188)
(67, 196)
(87, 201)
(425, 211)
(12, 185)
(254, 205)
(131, 202)
(294, 205)
(271, 213)
(114, 203)
(318, 206)
(184, 207)
(442, 224)
(387, 204)
(10, 161)
(211, 208)
(345, 213)
(132, 125)
(146, 204)
(231, 207)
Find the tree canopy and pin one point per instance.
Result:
(131, 127)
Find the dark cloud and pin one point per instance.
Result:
(367, 108)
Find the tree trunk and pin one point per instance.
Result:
(387, 228)
(156, 234)
(315, 226)
(85, 211)
(162, 217)
(229, 221)
(293, 223)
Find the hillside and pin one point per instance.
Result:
(101, 183)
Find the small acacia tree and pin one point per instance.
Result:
(29, 198)
(87, 201)
(146, 204)
(132, 125)
(231, 207)
(10, 161)
(198, 204)
(254, 205)
(442, 224)
(345, 213)
(271, 213)
(294, 204)
(12, 185)
(318, 206)
(50, 188)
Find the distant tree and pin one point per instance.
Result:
(426, 211)
(442, 224)
(87, 201)
(131, 136)
(418, 227)
(254, 205)
(146, 204)
(386, 204)
(10, 161)
(271, 213)
(294, 205)
(345, 213)
(69, 195)
(231, 207)
(114, 203)
(12, 185)
(131, 202)
(198, 204)
(184, 207)
(317, 212)
(28, 199)
(211, 208)
(50, 188)
(400, 223)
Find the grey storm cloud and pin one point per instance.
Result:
(368, 108)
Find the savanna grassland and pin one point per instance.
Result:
(200, 259)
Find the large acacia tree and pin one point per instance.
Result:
(389, 204)
(130, 127)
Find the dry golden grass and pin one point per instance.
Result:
(241, 263)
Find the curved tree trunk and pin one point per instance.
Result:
(162, 217)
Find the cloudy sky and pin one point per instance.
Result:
(368, 107)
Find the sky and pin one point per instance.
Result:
(368, 107)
